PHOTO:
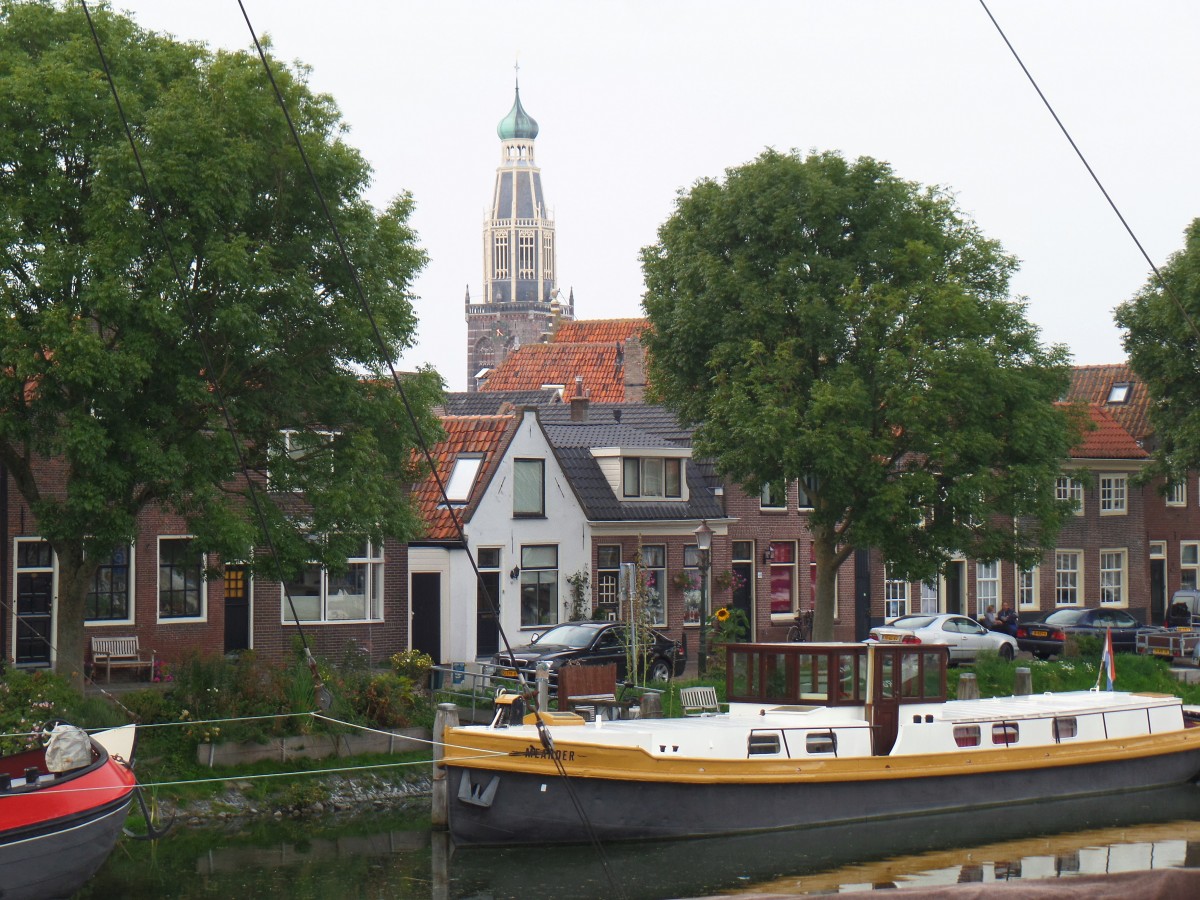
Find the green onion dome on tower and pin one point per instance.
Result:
(518, 124)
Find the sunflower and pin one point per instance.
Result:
(722, 614)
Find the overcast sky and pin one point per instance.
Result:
(637, 99)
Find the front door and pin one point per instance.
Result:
(237, 609)
(955, 579)
(743, 592)
(427, 614)
(1158, 591)
(487, 624)
(34, 608)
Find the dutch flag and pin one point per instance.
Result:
(1108, 663)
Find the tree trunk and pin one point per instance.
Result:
(74, 582)
(825, 555)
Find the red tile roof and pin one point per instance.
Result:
(1093, 385)
(487, 436)
(1108, 440)
(535, 365)
(599, 331)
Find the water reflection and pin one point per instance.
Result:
(394, 856)
(965, 846)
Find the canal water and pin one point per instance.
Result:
(395, 855)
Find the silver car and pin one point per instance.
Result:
(964, 636)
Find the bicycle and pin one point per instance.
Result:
(801, 631)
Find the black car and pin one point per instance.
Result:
(1044, 637)
(593, 643)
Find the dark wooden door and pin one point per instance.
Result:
(35, 603)
(1158, 591)
(237, 609)
(427, 614)
(955, 572)
(487, 624)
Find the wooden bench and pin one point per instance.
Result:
(699, 701)
(121, 653)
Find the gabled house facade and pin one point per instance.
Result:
(522, 526)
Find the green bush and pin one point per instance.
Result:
(29, 699)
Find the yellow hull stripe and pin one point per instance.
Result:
(498, 751)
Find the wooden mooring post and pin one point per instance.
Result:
(968, 687)
(446, 717)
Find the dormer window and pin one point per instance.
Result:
(462, 479)
(649, 477)
(1119, 392)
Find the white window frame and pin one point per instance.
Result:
(328, 590)
(987, 587)
(462, 478)
(1069, 489)
(1068, 579)
(522, 509)
(1029, 588)
(787, 569)
(130, 588)
(638, 472)
(656, 606)
(895, 596)
(608, 576)
(203, 586)
(930, 597)
(1114, 576)
(1176, 494)
(1114, 494)
(538, 578)
(768, 501)
(1189, 564)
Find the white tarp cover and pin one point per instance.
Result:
(68, 748)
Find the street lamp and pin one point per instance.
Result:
(704, 545)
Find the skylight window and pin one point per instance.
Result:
(1119, 392)
(462, 479)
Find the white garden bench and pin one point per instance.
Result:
(699, 701)
(121, 653)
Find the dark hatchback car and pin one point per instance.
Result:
(593, 643)
(1044, 637)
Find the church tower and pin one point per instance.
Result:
(521, 300)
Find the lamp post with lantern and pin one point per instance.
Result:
(704, 546)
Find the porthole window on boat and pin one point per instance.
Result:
(1005, 733)
(763, 744)
(1065, 728)
(966, 735)
(825, 742)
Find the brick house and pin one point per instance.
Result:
(176, 600)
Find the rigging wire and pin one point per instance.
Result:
(386, 360)
(1063, 128)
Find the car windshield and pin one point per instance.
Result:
(1065, 616)
(913, 622)
(577, 636)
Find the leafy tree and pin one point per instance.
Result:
(824, 320)
(109, 406)
(1163, 346)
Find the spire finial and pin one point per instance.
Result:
(517, 74)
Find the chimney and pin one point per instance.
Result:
(579, 402)
(635, 370)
